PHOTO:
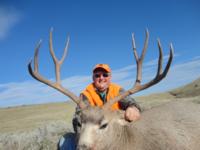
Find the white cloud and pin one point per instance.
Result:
(9, 17)
(33, 92)
(23, 93)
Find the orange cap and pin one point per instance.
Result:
(103, 66)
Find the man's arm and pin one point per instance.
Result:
(128, 102)
(132, 109)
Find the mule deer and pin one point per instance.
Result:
(103, 129)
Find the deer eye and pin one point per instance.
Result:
(103, 126)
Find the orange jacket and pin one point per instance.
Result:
(95, 99)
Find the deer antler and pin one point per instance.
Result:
(56, 85)
(139, 60)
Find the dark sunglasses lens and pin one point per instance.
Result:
(105, 75)
(97, 75)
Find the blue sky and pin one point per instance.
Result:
(100, 32)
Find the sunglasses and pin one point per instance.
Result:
(105, 75)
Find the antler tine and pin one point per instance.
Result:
(139, 61)
(160, 60)
(145, 45)
(51, 47)
(36, 75)
(36, 55)
(159, 76)
(134, 48)
(169, 61)
(65, 51)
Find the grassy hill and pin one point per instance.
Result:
(24, 118)
(189, 90)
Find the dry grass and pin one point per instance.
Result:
(34, 127)
(153, 100)
(30, 117)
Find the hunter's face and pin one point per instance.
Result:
(101, 79)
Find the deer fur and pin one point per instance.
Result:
(172, 126)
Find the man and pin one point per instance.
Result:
(97, 93)
(102, 90)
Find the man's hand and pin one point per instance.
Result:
(132, 114)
